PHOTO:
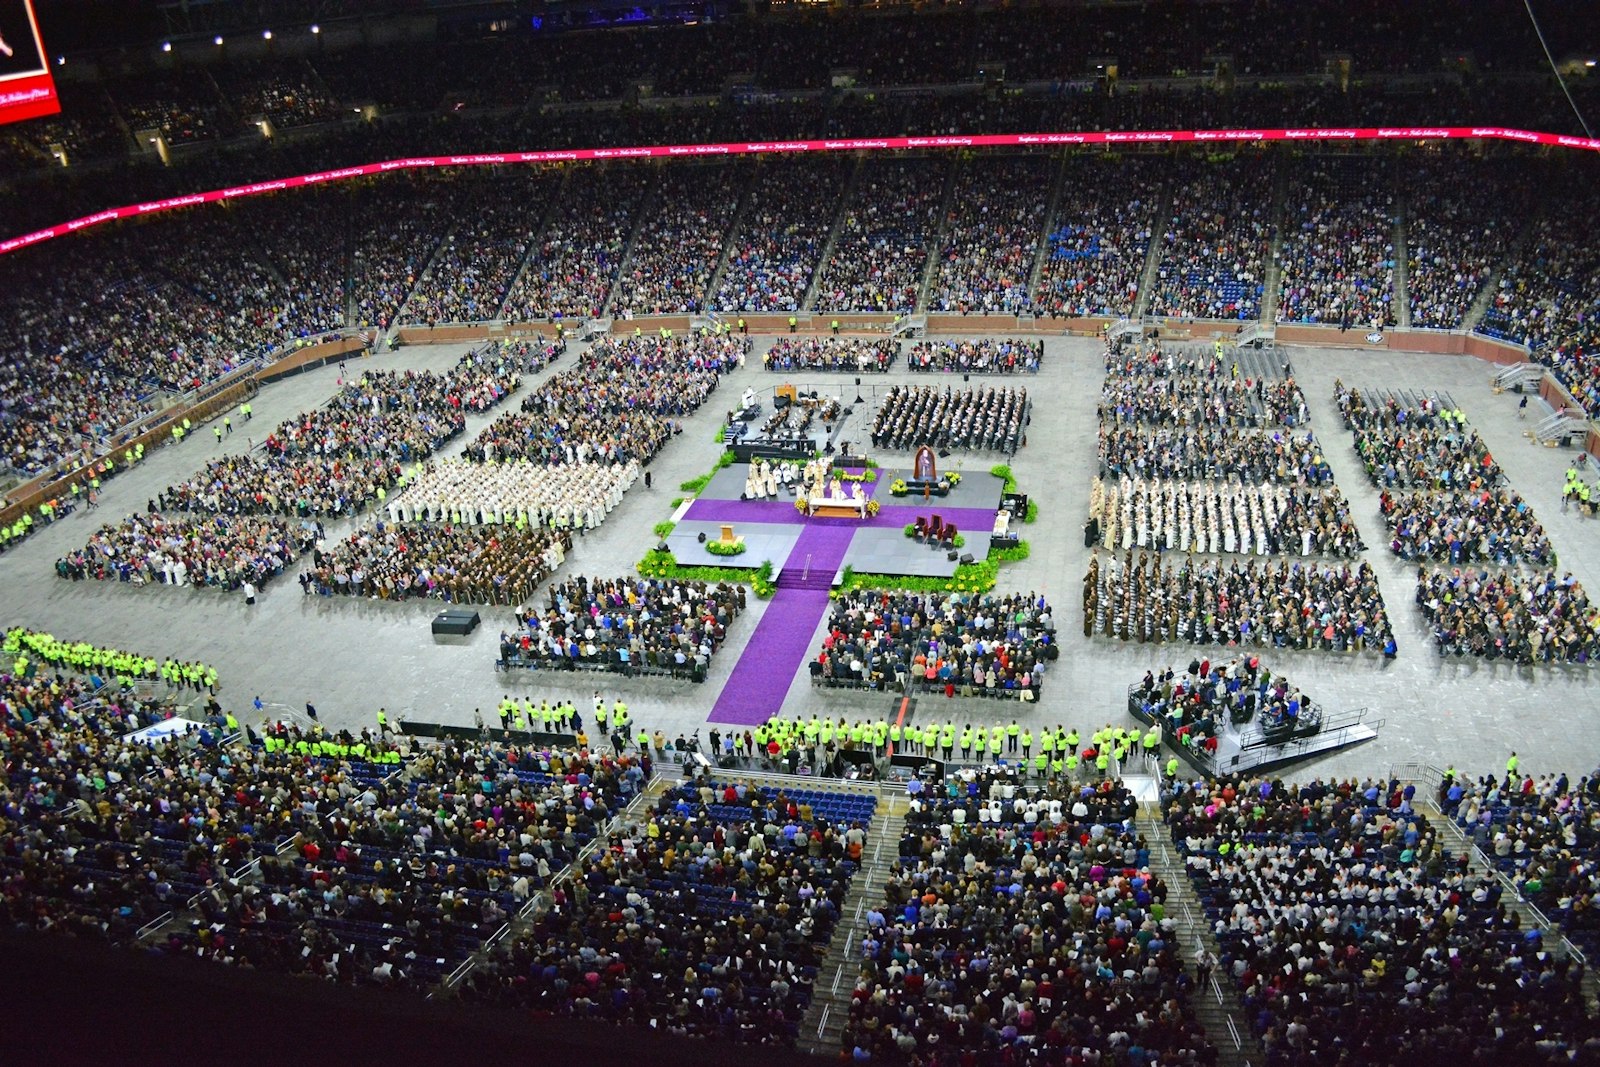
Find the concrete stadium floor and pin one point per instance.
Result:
(350, 657)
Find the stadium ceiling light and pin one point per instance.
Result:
(266, 35)
(166, 46)
(315, 28)
(1588, 62)
(217, 40)
(61, 61)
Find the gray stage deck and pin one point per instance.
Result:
(877, 551)
(762, 541)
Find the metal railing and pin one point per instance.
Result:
(1492, 868)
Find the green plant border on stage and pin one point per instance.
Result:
(1003, 472)
(977, 577)
(658, 564)
(696, 485)
(1033, 512)
(717, 548)
(663, 529)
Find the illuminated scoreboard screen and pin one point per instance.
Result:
(26, 88)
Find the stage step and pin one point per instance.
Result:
(817, 580)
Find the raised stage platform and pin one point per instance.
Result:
(762, 541)
(1246, 749)
(772, 526)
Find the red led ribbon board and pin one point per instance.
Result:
(853, 144)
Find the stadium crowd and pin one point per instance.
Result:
(617, 404)
(859, 354)
(1527, 619)
(980, 419)
(996, 645)
(984, 355)
(775, 249)
(1415, 445)
(491, 227)
(1213, 454)
(991, 237)
(216, 552)
(1022, 920)
(885, 238)
(1539, 833)
(570, 274)
(706, 914)
(627, 625)
(573, 496)
(1478, 526)
(1214, 251)
(1095, 252)
(1265, 519)
(1271, 604)
(679, 242)
(453, 562)
(1169, 392)
(1335, 897)
(342, 456)
(1338, 246)
(1458, 227)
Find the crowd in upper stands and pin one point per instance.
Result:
(679, 242)
(884, 239)
(287, 94)
(1094, 254)
(1214, 249)
(991, 237)
(491, 229)
(994, 645)
(778, 242)
(1338, 250)
(570, 273)
(1458, 227)
(179, 301)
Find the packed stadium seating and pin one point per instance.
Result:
(1025, 918)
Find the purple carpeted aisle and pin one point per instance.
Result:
(760, 680)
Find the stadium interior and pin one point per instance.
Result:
(942, 535)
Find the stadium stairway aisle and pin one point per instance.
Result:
(1217, 1007)
(1456, 840)
(822, 1029)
